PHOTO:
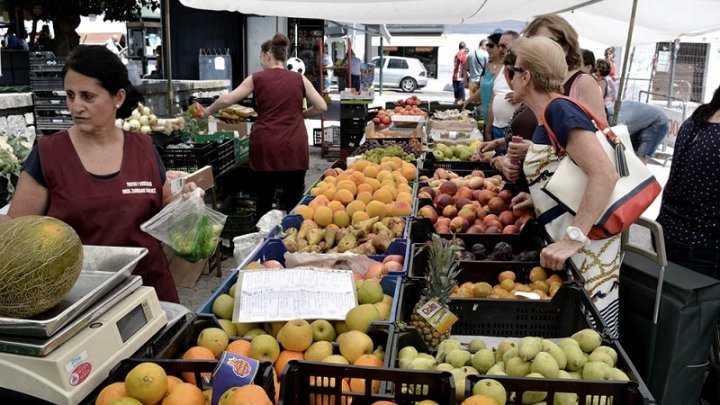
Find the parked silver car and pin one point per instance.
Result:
(409, 74)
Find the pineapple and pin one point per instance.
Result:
(440, 278)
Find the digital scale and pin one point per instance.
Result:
(68, 364)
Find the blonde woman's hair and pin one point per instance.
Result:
(544, 59)
(565, 34)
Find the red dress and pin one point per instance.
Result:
(109, 211)
(279, 139)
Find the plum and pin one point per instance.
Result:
(503, 252)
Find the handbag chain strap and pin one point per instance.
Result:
(618, 146)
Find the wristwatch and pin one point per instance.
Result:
(574, 233)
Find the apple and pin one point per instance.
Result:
(264, 348)
(383, 309)
(215, 339)
(341, 327)
(296, 335)
(274, 327)
(319, 350)
(243, 328)
(370, 292)
(322, 330)
(354, 344)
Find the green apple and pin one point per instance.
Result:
(322, 330)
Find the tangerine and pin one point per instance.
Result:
(197, 353)
(184, 394)
(250, 394)
(113, 391)
(240, 346)
(284, 357)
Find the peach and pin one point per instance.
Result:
(490, 217)
(493, 223)
(428, 211)
(304, 211)
(476, 229)
(449, 211)
(443, 200)
(492, 229)
(397, 258)
(425, 194)
(391, 265)
(497, 204)
(463, 192)
(461, 202)
(507, 218)
(483, 196)
(364, 196)
(323, 216)
(478, 173)
(330, 173)
(341, 219)
(383, 195)
(448, 187)
(459, 224)
(443, 221)
(510, 229)
(344, 196)
(354, 207)
(427, 189)
(335, 205)
(476, 183)
(506, 195)
(442, 228)
(468, 214)
(440, 173)
(359, 216)
(400, 209)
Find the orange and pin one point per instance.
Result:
(184, 394)
(344, 196)
(249, 395)
(368, 360)
(355, 206)
(479, 400)
(147, 382)
(304, 211)
(197, 353)
(323, 216)
(112, 391)
(284, 357)
(240, 346)
(173, 381)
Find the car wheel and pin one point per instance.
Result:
(408, 85)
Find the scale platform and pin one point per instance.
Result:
(104, 267)
(76, 367)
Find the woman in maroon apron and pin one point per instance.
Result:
(100, 180)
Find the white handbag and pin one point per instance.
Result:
(636, 189)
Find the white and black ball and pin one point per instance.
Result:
(296, 65)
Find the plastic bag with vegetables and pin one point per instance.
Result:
(190, 228)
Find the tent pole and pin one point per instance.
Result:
(168, 60)
(382, 63)
(673, 60)
(623, 75)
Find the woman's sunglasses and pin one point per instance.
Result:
(512, 69)
(490, 45)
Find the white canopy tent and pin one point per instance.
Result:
(604, 21)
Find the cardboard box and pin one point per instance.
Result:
(242, 128)
(184, 273)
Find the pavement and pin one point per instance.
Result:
(194, 297)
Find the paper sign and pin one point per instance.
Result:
(297, 293)
(437, 315)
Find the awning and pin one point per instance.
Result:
(97, 38)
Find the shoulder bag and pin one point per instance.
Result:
(636, 189)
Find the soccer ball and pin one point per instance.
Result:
(296, 65)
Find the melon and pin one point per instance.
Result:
(40, 260)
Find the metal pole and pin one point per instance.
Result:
(382, 63)
(673, 60)
(628, 43)
(167, 54)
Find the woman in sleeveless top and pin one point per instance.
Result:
(279, 153)
(539, 70)
(487, 81)
(95, 177)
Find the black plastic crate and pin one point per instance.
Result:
(225, 156)
(241, 214)
(569, 311)
(264, 377)
(353, 111)
(633, 392)
(189, 159)
(321, 383)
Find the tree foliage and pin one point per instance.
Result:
(65, 15)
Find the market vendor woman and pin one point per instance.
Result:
(82, 176)
(279, 153)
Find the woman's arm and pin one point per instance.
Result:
(318, 102)
(226, 100)
(588, 93)
(31, 198)
(602, 176)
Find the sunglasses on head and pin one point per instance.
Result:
(512, 69)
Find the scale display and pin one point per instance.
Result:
(129, 324)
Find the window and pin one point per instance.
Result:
(397, 64)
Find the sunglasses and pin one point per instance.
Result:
(512, 69)
(489, 45)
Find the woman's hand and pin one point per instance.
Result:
(511, 169)
(489, 146)
(188, 189)
(522, 201)
(517, 151)
(555, 254)
(510, 97)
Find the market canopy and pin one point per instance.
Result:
(605, 21)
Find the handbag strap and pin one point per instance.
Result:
(599, 124)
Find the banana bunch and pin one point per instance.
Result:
(143, 120)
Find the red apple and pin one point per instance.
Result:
(476, 229)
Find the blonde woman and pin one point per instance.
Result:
(537, 76)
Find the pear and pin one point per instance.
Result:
(444, 367)
(502, 348)
(407, 352)
(610, 352)
(565, 398)
(618, 375)
(517, 367)
(555, 351)
(459, 377)
(509, 354)
(422, 363)
(445, 347)
(529, 347)
(318, 351)
(370, 292)
(476, 344)
(588, 339)
(497, 369)
(575, 359)
(482, 360)
(601, 356)
(568, 342)
(532, 397)
(596, 370)
(491, 388)
(458, 357)
(545, 364)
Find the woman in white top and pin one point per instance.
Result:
(501, 106)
